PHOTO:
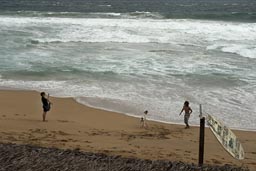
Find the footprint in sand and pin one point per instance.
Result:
(63, 121)
(99, 132)
(39, 131)
(4, 116)
(11, 138)
(63, 133)
(71, 140)
(137, 146)
(252, 163)
(127, 137)
(34, 139)
(172, 154)
(131, 152)
(94, 134)
(216, 161)
(78, 148)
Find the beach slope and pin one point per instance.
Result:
(71, 125)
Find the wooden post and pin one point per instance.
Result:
(201, 142)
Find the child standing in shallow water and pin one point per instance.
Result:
(188, 111)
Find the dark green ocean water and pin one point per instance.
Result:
(229, 10)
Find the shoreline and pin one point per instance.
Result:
(155, 120)
(72, 125)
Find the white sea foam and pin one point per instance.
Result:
(133, 30)
(246, 51)
(106, 14)
(105, 5)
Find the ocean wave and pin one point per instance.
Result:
(248, 51)
(37, 72)
(245, 51)
(250, 16)
(146, 14)
(243, 17)
(129, 30)
(213, 79)
(227, 16)
(105, 5)
(206, 76)
(127, 15)
(238, 38)
(106, 14)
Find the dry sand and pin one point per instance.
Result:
(72, 125)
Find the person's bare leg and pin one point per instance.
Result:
(44, 116)
(186, 122)
(145, 125)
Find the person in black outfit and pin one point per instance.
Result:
(46, 104)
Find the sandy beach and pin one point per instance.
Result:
(71, 125)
